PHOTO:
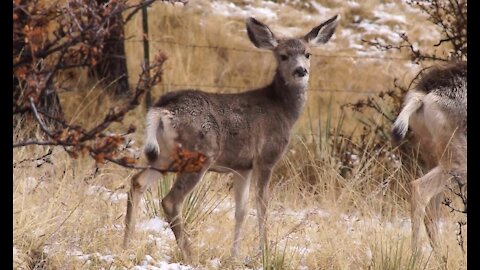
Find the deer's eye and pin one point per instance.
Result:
(307, 55)
(283, 57)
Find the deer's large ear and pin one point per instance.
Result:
(322, 33)
(260, 35)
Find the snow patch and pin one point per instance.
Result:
(383, 30)
(215, 263)
(106, 194)
(385, 17)
(30, 183)
(322, 11)
(79, 255)
(155, 224)
(225, 205)
(232, 10)
(353, 4)
(162, 265)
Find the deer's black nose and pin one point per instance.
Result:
(300, 72)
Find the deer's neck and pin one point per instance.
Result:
(291, 97)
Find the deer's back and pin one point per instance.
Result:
(447, 87)
(234, 128)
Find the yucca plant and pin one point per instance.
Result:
(199, 204)
(276, 256)
(389, 254)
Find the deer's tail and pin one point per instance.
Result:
(154, 119)
(413, 102)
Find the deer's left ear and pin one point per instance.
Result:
(322, 33)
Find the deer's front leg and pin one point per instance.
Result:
(263, 177)
(241, 184)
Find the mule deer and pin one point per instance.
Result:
(436, 111)
(244, 132)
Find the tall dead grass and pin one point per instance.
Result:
(328, 210)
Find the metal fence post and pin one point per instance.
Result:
(146, 53)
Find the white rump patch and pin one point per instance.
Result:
(161, 139)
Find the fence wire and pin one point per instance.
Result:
(246, 50)
(254, 51)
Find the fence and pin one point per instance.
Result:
(252, 51)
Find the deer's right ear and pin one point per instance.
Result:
(260, 35)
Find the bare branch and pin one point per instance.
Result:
(35, 142)
(39, 120)
(43, 157)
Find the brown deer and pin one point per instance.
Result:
(244, 132)
(436, 111)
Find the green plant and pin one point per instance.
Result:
(276, 256)
(390, 254)
(199, 204)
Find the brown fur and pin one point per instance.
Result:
(442, 76)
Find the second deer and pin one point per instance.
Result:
(436, 111)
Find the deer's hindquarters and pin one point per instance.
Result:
(436, 111)
(160, 137)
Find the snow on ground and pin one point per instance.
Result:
(156, 225)
(386, 32)
(322, 12)
(268, 12)
(229, 9)
(30, 183)
(16, 256)
(79, 255)
(146, 264)
(383, 16)
(159, 233)
(215, 263)
(107, 194)
(388, 20)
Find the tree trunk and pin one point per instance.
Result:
(112, 67)
(50, 104)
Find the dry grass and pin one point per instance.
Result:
(317, 218)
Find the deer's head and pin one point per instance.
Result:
(292, 54)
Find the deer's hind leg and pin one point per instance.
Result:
(423, 190)
(140, 182)
(431, 220)
(172, 205)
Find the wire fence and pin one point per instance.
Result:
(254, 51)
(246, 50)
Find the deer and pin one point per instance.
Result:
(436, 111)
(246, 132)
